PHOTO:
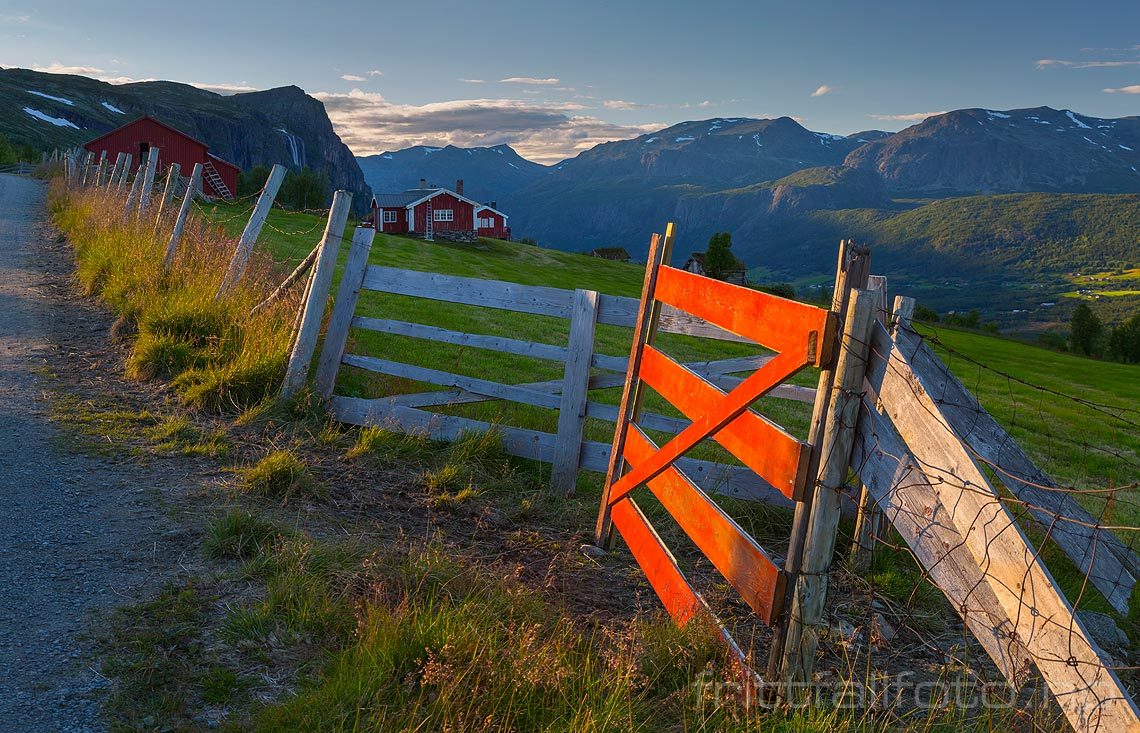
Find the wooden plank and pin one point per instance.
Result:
(336, 334)
(656, 562)
(1109, 564)
(1086, 689)
(780, 324)
(868, 522)
(734, 403)
(172, 174)
(836, 442)
(530, 444)
(575, 393)
(907, 499)
(737, 556)
(617, 310)
(549, 352)
(613, 310)
(757, 442)
(642, 331)
(447, 379)
(313, 307)
(147, 190)
(498, 294)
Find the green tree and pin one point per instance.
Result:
(719, 259)
(1085, 331)
(1124, 343)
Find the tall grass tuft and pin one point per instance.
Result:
(214, 352)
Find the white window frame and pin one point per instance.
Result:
(443, 215)
(391, 217)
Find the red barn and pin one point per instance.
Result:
(219, 177)
(435, 212)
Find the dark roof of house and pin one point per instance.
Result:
(401, 200)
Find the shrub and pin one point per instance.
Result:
(281, 474)
(239, 535)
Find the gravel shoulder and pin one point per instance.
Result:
(79, 533)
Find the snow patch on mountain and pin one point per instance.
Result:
(57, 121)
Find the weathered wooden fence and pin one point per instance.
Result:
(566, 450)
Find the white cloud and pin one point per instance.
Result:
(908, 117)
(704, 103)
(56, 67)
(374, 72)
(621, 104)
(15, 19)
(530, 80)
(1050, 63)
(1130, 89)
(547, 132)
(822, 89)
(472, 81)
(352, 77)
(223, 88)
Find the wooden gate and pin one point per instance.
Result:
(802, 335)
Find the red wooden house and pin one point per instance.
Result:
(219, 177)
(434, 212)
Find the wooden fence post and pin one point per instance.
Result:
(183, 213)
(118, 166)
(575, 393)
(244, 248)
(172, 175)
(125, 173)
(313, 308)
(88, 159)
(632, 396)
(351, 281)
(133, 192)
(97, 181)
(837, 441)
(868, 521)
(851, 271)
(148, 181)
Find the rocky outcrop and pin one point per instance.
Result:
(282, 125)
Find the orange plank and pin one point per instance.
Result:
(763, 446)
(734, 403)
(778, 323)
(738, 557)
(678, 597)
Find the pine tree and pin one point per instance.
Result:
(719, 260)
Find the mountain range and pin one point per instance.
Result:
(282, 125)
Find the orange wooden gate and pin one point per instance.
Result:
(802, 335)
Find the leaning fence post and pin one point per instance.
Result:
(172, 174)
(118, 166)
(575, 392)
(180, 222)
(148, 180)
(868, 521)
(248, 239)
(97, 181)
(132, 194)
(313, 308)
(837, 441)
(125, 173)
(351, 282)
(88, 159)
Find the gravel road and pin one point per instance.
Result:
(78, 534)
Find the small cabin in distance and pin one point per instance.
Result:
(434, 212)
(219, 177)
(737, 275)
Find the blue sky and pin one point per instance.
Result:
(553, 79)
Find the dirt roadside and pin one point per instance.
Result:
(80, 533)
